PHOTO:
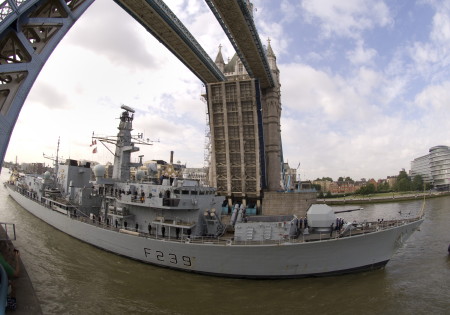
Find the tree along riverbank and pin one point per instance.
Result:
(393, 197)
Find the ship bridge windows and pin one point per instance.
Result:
(193, 192)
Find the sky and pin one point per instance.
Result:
(365, 85)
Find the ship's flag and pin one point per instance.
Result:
(95, 150)
(94, 142)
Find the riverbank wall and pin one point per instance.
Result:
(27, 301)
(383, 199)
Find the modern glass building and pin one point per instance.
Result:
(434, 167)
(421, 166)
(440, 166)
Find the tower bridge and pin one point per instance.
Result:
(31, 29)
(236, 19)
(156, 17)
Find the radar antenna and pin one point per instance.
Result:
(138, 139)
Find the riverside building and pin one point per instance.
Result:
(434, 167)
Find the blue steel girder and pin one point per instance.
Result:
(237, 22)
(30, 31)
(156, 17)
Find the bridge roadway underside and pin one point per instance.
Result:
(31, 29)
(163, 24)
(237, 22)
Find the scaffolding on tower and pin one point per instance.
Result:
(207, 147)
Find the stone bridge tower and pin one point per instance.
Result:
(271, 114)
(246, 154)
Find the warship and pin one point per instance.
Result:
(178, 223)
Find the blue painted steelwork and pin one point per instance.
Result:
(283, 170)
(262, 154)
(11, 10)
(230, 37)
(30, 31)
(257, 41)
(177, 27)
(250, 24)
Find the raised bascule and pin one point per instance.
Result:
(243, 95)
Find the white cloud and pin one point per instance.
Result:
(123, 43)
(307, 90)
(361, 119)
(46, 95)
(441, 25)
(351, 126)
(435, 98)
(346, 18)
(366, 81)
(361, 55)
(290, 11)
(432, 58)
(90, 82)
(374, 148)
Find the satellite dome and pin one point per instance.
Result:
(47, 175)
(99, 170)
(152, 167)
(140, 175)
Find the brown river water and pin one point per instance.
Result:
(71, 277)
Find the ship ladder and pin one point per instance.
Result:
(267, 233)
(249, 233)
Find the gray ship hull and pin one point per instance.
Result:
(227, 259)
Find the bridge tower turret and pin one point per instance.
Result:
(271, 111)
(219, 60)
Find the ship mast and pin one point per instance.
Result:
(55, 160)
(124, 145)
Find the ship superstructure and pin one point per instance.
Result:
(178, 223)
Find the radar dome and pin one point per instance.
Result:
(140, 175)
(152, 167)
(47, 175)
(99, 170)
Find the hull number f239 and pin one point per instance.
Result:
(167, 257)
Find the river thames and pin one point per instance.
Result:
(71, 277)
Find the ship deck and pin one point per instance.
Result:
(227, 238)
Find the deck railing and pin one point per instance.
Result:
(359, 229)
